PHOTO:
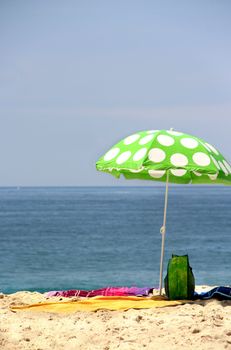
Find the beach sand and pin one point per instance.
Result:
(201, 325)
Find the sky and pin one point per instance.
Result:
(78, 76)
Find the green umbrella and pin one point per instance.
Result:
(168, 156)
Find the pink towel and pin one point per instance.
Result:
(108, 291)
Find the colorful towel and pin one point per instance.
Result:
(109, 291)
(220, 293)
(98, 303)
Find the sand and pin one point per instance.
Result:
(202, 325)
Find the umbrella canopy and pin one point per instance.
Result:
(168, 156)
(148, 155)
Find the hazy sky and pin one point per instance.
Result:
(77, 76)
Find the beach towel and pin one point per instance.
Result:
(99, 303)
(108, 291)
(220, 293)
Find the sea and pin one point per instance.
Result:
(56, 238)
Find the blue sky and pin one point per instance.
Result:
(77, 76)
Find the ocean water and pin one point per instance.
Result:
(91, 237)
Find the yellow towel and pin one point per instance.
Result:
(100, 302)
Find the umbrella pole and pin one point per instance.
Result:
(163, 231)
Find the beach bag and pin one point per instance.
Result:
(179, 282)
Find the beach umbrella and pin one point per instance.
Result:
(167, 156)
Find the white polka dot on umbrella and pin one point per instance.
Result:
(178, 172)
(223, 167)
(228, 167)
(189, 142)
(213, 177)
(179, 159)
(140, 154)
(111, 154)
(213, 149)
(201, 159)
(165, 140)
(196, 173)
(157, 174)
(146, 139)
(131, 139)
(174, 133)
(215, 162)
(152, 131)
(123, 157)
(156, 155)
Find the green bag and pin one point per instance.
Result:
(179, 282)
